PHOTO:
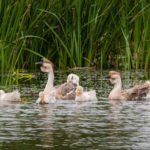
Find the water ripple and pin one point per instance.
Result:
(76, 125)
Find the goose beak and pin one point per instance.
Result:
(107, 77)
(39, 63)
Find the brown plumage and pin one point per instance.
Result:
(66, 91)
(137, 92)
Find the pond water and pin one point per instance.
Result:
(75, 125)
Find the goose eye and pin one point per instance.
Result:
(113, 78)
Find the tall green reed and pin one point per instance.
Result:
(75, 33)
(18, 31)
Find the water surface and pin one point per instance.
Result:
(76, 125)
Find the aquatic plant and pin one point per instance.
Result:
(75, 33)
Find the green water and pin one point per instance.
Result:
(75, 125)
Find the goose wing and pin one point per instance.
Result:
(66, 91)
(91, 95)
(138, 91)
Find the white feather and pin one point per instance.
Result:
(11, 96)
(85, 95)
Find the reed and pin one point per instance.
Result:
(75, 33)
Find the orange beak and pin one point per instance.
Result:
(78, 93)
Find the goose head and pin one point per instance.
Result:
(79, 90)
(73, 78)
(114, 77)
(46, 65)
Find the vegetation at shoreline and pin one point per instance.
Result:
(75, 33)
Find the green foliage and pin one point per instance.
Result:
(75, 33)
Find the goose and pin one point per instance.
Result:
(46, 96)
(64, 91)
(137, 92)
(82, 95)
(9, 97)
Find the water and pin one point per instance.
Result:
(75, 125)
